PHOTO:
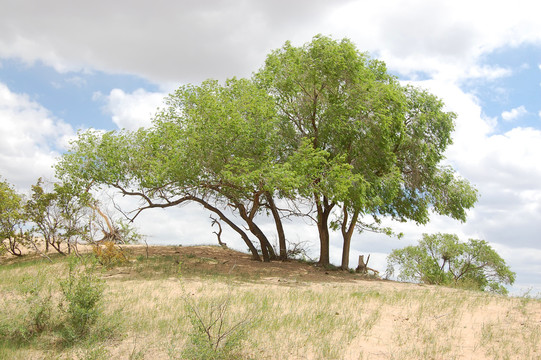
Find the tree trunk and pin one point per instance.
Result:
(347, 233)
(279, 226)
(363, 266)
(247, 241)
(110, 227)
(56, 245)
(266, 248)
(323, 212)
(13, 246)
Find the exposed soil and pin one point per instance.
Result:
(226, 261)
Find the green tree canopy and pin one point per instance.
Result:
(60, 216)
(217, 145)
(393, 137)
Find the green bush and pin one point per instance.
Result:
(38, 303)
(82, 293)
(444, 260)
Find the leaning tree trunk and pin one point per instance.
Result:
(266, 248)
(279, 226)
(247, 241)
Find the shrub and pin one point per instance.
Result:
(109, 254)
(443, 259)
(82, 293)
(38, 303)
(214, 336)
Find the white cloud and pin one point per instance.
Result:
(442, 39)
(514, 114)
(487, 72)
(504, 167)
(30, 138)
(190, 42)
(131, 111)
(178, 41)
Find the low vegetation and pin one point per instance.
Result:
(214, 303)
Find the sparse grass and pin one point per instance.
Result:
(144, 315)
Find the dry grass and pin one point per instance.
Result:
(296, 312)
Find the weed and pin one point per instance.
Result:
(136, 354)
(213, 335)
(94, 353)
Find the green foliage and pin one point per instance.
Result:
(82, 293)
(356, 114)
(12, 220)
(443, 259)
(59, 215)
(127, 232)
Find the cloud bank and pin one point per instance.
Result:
(31, 139)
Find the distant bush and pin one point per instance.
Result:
(443, 259)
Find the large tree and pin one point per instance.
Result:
(216, 145)
(392, 137)
(322, 123)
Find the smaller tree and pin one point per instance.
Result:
(442, 259)
(59, 216)
(12, 220)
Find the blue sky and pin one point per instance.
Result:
(72, 96)
(108, 65)
(519, 89)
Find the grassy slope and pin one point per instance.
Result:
(290, 311)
